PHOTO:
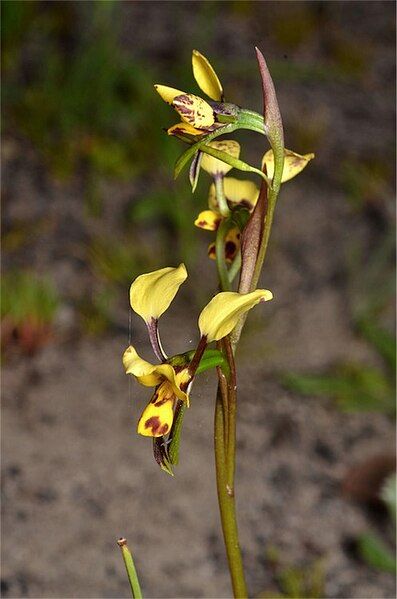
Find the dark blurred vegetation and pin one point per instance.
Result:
(83, 100)
(75, 93)
(89, 109)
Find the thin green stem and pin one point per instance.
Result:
(222, 381)
(232, 409)
(131, 570)
(220, 254)
(235, 267)
(220, 196)
(227, 505)
(225, 439)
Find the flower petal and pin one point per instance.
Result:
(151, 375)
(158, 415)
(140, 368)
(293, 164)
(221, 315)
(194, 170)
(212, 165)
(152, 293)
(211, 251)
(184, 129)
(237, 192)
(194, 110)
(232, 245)
(176, 380)
(208, 220)
(167, 93)
(206, 78)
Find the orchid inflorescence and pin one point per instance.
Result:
(150, 296)
(240, 215)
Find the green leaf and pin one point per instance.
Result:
(190, 152)
(173, 449)
(211, 358)
(375, 553)
(234, 162)
(355, 388)
(130, 568)
(381, 339)
(246, 120)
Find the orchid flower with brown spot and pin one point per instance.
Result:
(150, 296)
(240, 196)
(171, 383)
(199, 116)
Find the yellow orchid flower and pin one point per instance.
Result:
(214, 166)
(170, 385)
(293, 164)
(232, 245)
(168, 94)
(208, 220)
(221, 315)
(152, 293)
(206, 78)
(237, 193)
(198, 115)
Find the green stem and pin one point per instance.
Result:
(130, 567)
(220, 196)
(249, 123)
(235, 267)
(225, 439)
(232, 409)
(220, 254)
(227, 505)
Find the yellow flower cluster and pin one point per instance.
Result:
(150, 296)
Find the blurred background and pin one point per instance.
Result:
(89, 202)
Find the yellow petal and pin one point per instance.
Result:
(167, 93)
(206, 78)
(237, 192)
(144, 371)
(212, 165)
(152, 375)
(194, 110)
(158, 415)
(184, 128)
(221, 315)
(208, 220)
(152, 293)
(293, 164)
(176, 380)
(232, 245)
(211, 251)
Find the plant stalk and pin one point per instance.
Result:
(226, 500)
(130, 567)
(225, 437)
(223, 273)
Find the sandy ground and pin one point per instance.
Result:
(76, 477)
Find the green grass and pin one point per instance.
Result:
(25, 297)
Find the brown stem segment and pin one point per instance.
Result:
(153, 330)
(194, 364)
(225, 454)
